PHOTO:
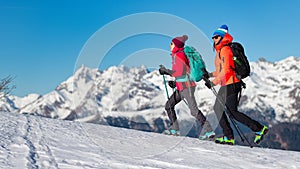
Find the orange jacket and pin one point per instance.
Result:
(224, 74)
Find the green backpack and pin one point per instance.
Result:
(196, 65)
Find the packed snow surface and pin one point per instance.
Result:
(36, 142)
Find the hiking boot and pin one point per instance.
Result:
(224, 140)
(260, 135)
(172, 132)
(207, 135)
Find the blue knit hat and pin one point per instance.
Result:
(221, 31)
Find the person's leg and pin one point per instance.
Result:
(207, 130)
(170, 108)
(232, 104)
(220, 113)
(188, 95)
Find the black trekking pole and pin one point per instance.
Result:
(165, 83)
(166, 86)
(223, 103)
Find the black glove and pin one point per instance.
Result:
(165, 71)
(208, 83)
(206, 75)
(172, 84)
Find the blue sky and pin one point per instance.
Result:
(41, 40)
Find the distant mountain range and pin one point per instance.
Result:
(135, 97)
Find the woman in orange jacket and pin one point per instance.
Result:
(225, 76)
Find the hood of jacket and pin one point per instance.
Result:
(176, 50)
(226, 40)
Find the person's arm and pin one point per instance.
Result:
(214, 73)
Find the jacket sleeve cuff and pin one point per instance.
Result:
(214, 74)
(215, 81)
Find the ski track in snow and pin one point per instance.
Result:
(36, 142)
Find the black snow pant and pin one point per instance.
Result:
(229, 94)
(188, 95)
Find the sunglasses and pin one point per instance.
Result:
(216, 37)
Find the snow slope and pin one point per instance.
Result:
(36, 142)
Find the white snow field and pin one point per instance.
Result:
(36, 142)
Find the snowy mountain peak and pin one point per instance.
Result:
(142, 70)
(272, 93)
(290, 60)
(85, 73)
(286, 64)
(270, 86)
